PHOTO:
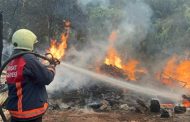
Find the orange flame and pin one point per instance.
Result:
(177, 70)
(114, 59)
(58, 49)
(168, 71)
(131, 68)
(186, 103)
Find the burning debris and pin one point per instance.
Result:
(176, 71)
(115, 66)
(113, 71)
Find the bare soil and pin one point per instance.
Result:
(113, 116)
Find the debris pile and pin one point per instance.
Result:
(113, 71)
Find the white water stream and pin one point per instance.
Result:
(123, 84)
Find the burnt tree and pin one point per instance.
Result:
(1, 36)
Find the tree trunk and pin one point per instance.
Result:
(1, 36)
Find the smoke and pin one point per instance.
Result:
(100, 3)
(131, 22)
(135, 24)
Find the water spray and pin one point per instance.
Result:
(124, 84)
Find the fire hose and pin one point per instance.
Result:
(3, 87)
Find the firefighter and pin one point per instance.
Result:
(26, 79)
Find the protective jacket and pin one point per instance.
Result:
(26, 78)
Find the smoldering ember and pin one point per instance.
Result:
(116, 61)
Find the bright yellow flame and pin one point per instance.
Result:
(58, 49)
(113, 59)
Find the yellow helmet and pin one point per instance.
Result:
(24, 39)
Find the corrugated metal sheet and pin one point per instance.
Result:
(3, 97)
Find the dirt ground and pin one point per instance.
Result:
(114, 116)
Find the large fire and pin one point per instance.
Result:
(57, 49)
(177, 70)
(113, 59)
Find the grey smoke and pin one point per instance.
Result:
(136, 22)
(101, 3)
(86, 58)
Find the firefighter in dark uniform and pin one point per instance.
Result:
(26, 79)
